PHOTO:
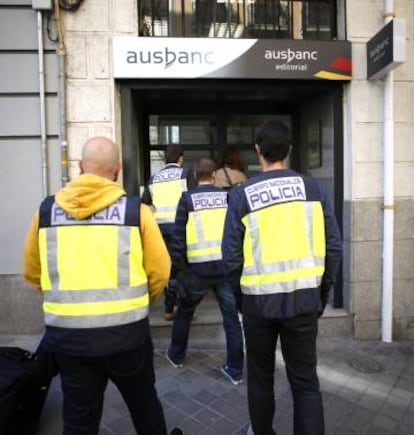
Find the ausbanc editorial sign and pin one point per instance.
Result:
(386, 50)
(139, 57)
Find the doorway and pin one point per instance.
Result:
(204, 116)
(206, 136)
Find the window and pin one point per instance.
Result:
(288, 19)
(154, 17)
(317, 20)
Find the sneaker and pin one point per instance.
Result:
(176, 431)
(174, 364)
(234, 381)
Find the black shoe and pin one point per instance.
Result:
(230, 377)
(176, 431)
(173, 363)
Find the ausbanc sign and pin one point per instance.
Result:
(386, 50)
(140, 57)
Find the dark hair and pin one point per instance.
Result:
(173, 153)
(273, 140)
(204, 168)
(232, 158)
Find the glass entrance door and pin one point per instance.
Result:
(206, 136)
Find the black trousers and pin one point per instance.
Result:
(298, 343)
(84, 380)
(170, 296)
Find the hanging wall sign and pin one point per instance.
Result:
(386, 50)
(143, 57)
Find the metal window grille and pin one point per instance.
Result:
(287, 19)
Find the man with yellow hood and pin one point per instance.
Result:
(98, 257)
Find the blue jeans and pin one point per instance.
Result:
(84, 380)
(298, 342)
(231, 324)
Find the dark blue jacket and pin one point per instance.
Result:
(207, 273)
(281, 305)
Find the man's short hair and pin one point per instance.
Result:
(274, 141)
(204, 168)
(173, 153)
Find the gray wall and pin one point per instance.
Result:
(20, 146)
(20, 153)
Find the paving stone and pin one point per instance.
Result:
(346, 430)
(222, 406)
(386, 423)
(207, 417)
(348, 394)
(199, 400)
(121, 425)
(239, 414)
(173, 417)
(371, 401)
(376, 430)
(402, 393)
(204, 397)
(223, 426)
(191, 426)
(103, 430)
(188, 406)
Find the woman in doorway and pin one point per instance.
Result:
(231, 168)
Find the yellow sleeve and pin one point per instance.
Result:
(157, 263)
(31, 255)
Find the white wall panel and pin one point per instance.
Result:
(21, 190)
(18, 30)
(19, 72)
(21, 116)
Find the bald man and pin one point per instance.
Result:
(98, 258)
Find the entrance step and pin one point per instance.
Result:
(207, 331)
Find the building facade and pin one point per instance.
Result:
(205, 74)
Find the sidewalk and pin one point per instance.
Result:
(367, 387)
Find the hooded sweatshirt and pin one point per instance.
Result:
(81, 198)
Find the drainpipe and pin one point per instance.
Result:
(388, 230)
(42, 98)
(61, 52)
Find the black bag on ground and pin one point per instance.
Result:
(25, 379)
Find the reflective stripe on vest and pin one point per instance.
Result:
(165, 198)
(204, 230)
(280, 261)
(92, 270)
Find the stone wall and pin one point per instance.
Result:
(363, 180)
(92, 97)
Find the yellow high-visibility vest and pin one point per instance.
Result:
(284, 248)
(92, 271)
(204, 229)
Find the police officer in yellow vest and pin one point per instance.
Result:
(99, 259)
(197, 243)
(282, 244)
(162, 193)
